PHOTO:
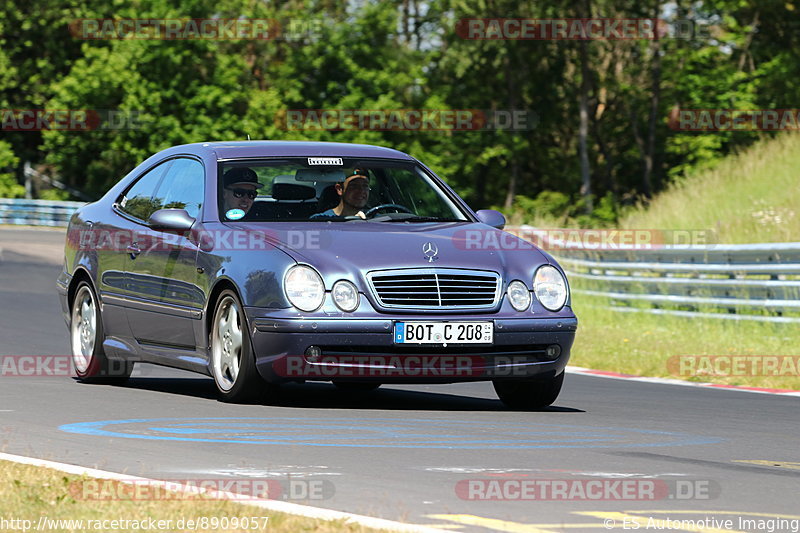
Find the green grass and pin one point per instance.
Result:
(642, 344)
(751, 197)
(28, 492)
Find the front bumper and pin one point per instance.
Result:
(362, 349)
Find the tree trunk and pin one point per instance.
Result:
(512, 104)
(650, 155)
(583, 130)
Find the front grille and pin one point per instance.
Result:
(435, 288)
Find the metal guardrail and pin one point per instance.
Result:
(36, 212)
(717, 281)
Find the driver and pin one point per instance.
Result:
(353, 195)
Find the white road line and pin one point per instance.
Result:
(668, 381)
(307, 511)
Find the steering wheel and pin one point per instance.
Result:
(388, 206)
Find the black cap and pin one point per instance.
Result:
(240, 176)
(356, 173)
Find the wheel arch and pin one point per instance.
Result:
(213, 297)
(79, 275)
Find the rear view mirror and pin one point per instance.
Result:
(322, 175)
(492, 218)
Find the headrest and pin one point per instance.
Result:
(292, 191)
(318, 174)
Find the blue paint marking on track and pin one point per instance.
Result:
(385, 433)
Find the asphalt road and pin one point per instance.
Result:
(421, 454)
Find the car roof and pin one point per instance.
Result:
(253, 149)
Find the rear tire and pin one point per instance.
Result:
(89, 361)
(233, 364)
(529, 394)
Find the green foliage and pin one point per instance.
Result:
(603, 215)
(9, 188)
(556, 209)
(552, 204)
(142, 207)
(53, 194)
(408, 55)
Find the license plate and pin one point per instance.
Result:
(443, 333)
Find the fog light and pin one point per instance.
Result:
(518, 295)
(345, 296)
(313, 353)
(553, 351)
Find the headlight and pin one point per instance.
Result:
(550, 287)
(345, 296)
(518, 295)
(304, 288)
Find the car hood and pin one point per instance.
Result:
(367, 246)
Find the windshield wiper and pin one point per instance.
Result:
(418, 218)
(335, 218)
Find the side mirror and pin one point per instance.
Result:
(170, 220)
(492, 218)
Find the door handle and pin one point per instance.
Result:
(134, 250)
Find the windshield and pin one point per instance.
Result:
(293, 190)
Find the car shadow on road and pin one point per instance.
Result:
(327, 396)
(195, 387)
(388, 397)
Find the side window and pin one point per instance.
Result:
(138, 200)
(183, 187)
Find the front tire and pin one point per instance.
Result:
(89, 361)
(233, 364)
(529, 394)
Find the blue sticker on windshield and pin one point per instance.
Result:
(235, 214)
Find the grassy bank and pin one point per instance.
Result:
(29, 492)
(750, 197)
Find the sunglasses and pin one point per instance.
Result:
(238, 193)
